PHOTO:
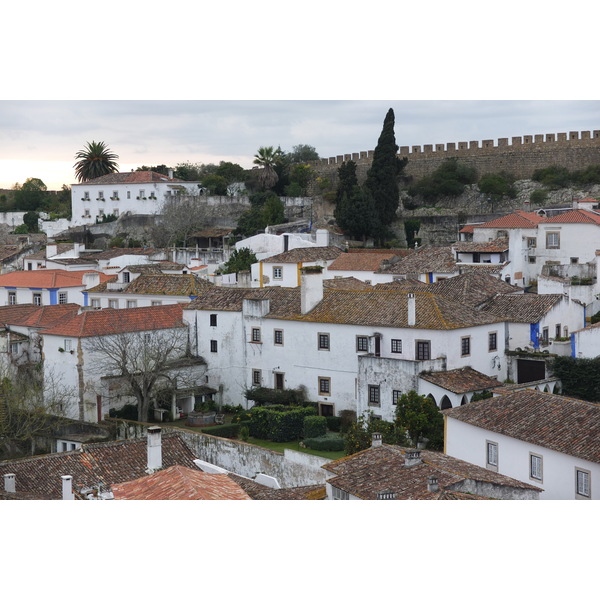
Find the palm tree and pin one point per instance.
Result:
(94, 161)
(267, 157)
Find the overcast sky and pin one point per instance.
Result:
(40, 138)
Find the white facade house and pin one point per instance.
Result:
(335, 343)
(266, 244)
(137, 192)
(585, 342)
(542, 439)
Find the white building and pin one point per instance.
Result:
(137, 192)
(542, 439)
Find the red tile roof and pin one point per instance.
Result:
(517, 220)
(46, 278)
(302, 255)
(131, 177)
(360, 261)
(29, 315)
(461, 381)
(567, 425)
(576, 216)
(112, 321)
(180, 483)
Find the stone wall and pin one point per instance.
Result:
(521, 157)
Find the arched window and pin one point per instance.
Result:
(445, 403)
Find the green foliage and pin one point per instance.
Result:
(300, 176)
(481, 396)
(94, 161)
(314, 426)
(411, 228)
(589, 175)
(30, 220)
(497, 186)
(229, 430)
(240, 260)
(359, 435)
(357, 214)
(347, 419)
(190, 171)
(325, 443)
(449, 179)
(552, 177)
(267, 209)
(215, 184)
(347, 180)
(30, 196)
(261, 396)
(231, 172)
(279, 423)
(129, 411)
(383, 175)
(538, 197)
(595, 318)
(334, 423)
(421, 418)
(580, 377)
(302, 153)
(21, 229)
(244, 433)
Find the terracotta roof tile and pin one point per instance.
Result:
(346, 283)
(497, 245)
(567, 425)
(461, 381)
(131, 177)
(521, 308)
(424, 260)
(302, 255)
(46, 278)
(366, 473)
(180, 483)
(576, 216)
(158, 284)
(360, 261)
(261, 492)
(517, 220)
(111, 321)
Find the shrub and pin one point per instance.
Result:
(315, 426)
(279, 423)
(244, 433)
(538, 197)
(449, 179)
(231, 430)
(552, 177)
(347, 419)
(334, 423)
(325, 444)
(261, 396)
(129, 411)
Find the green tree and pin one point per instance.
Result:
(347, 180)
(162, 169)
(303, 153)
(267, 158)
(382, 177)
(449, 179)
(240, 260)
(94, 161)
(215, 184)
(497, 186)
(359, 434)
(421, 418)
(538, 197)
(300, 177)
(31, 195)
(580, 377)
(357, 215)
(553, 177)
(231, 172)
(30, 220)
(188, 171)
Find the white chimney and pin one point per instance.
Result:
(322, 238)
(311, 288)
(51, 250)
(67, 487)
(170, 173)
(412, 310)
(10, 483)
(91, 279)
(154, 449)
(386, 495)
(412, 458)
(376, 440)
(432, 484)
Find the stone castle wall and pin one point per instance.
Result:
(521, 157)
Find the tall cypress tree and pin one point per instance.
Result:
(346, 180)
(382, 177)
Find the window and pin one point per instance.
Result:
(12, 297)
(531, 242)
(156, 303)
(100, 195)
(128, 195)
(126, 277)
(396, 395)
(62, 298)
(101, 212)
(131, 303)
(213, 320)
(112, 303)
(338, 494)
(68, 345)
(86, 195)
(574, 260)
(278, 337)
(557, 331)
(323, 341)
(96, 302)
(531, 260)
(324, 386)
(213, 346)
(396, 346)
(116, 212)
(115, 194)
(583, 483)
(14, 347)
(362, 343)
(256, 377)
(492, 341)
(279, 381)
(142, 194)
(545, 335)
(256, 334)
(374, 395)
(535, 467)
(87, 212)
(277, 273)
(501, 233)
(491, 459)
(423, 349)
(553, 239)
(465, 346)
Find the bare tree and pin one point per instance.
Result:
(142, 359)
(180, 217)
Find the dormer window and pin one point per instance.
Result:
(126, 277)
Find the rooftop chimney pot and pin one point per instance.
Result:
(67, 487)
(10, 483)
(154, 449)
(412, 310)
(376, 440)
(432, 484)
(412, 457)
(386, 495)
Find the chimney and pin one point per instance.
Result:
(10, 483)
(322, 238)
(91, 279)
(67, 487)
(376, 440)
(51, 250)
(154, 449)
(386, 495)
(412, 458)
(412, 310)
(170, 173)
(311, 288)
(432, 484)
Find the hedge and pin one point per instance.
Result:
(325, 444)
(334, 423)
(278, 423)
(314, 426)
(231, 430)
